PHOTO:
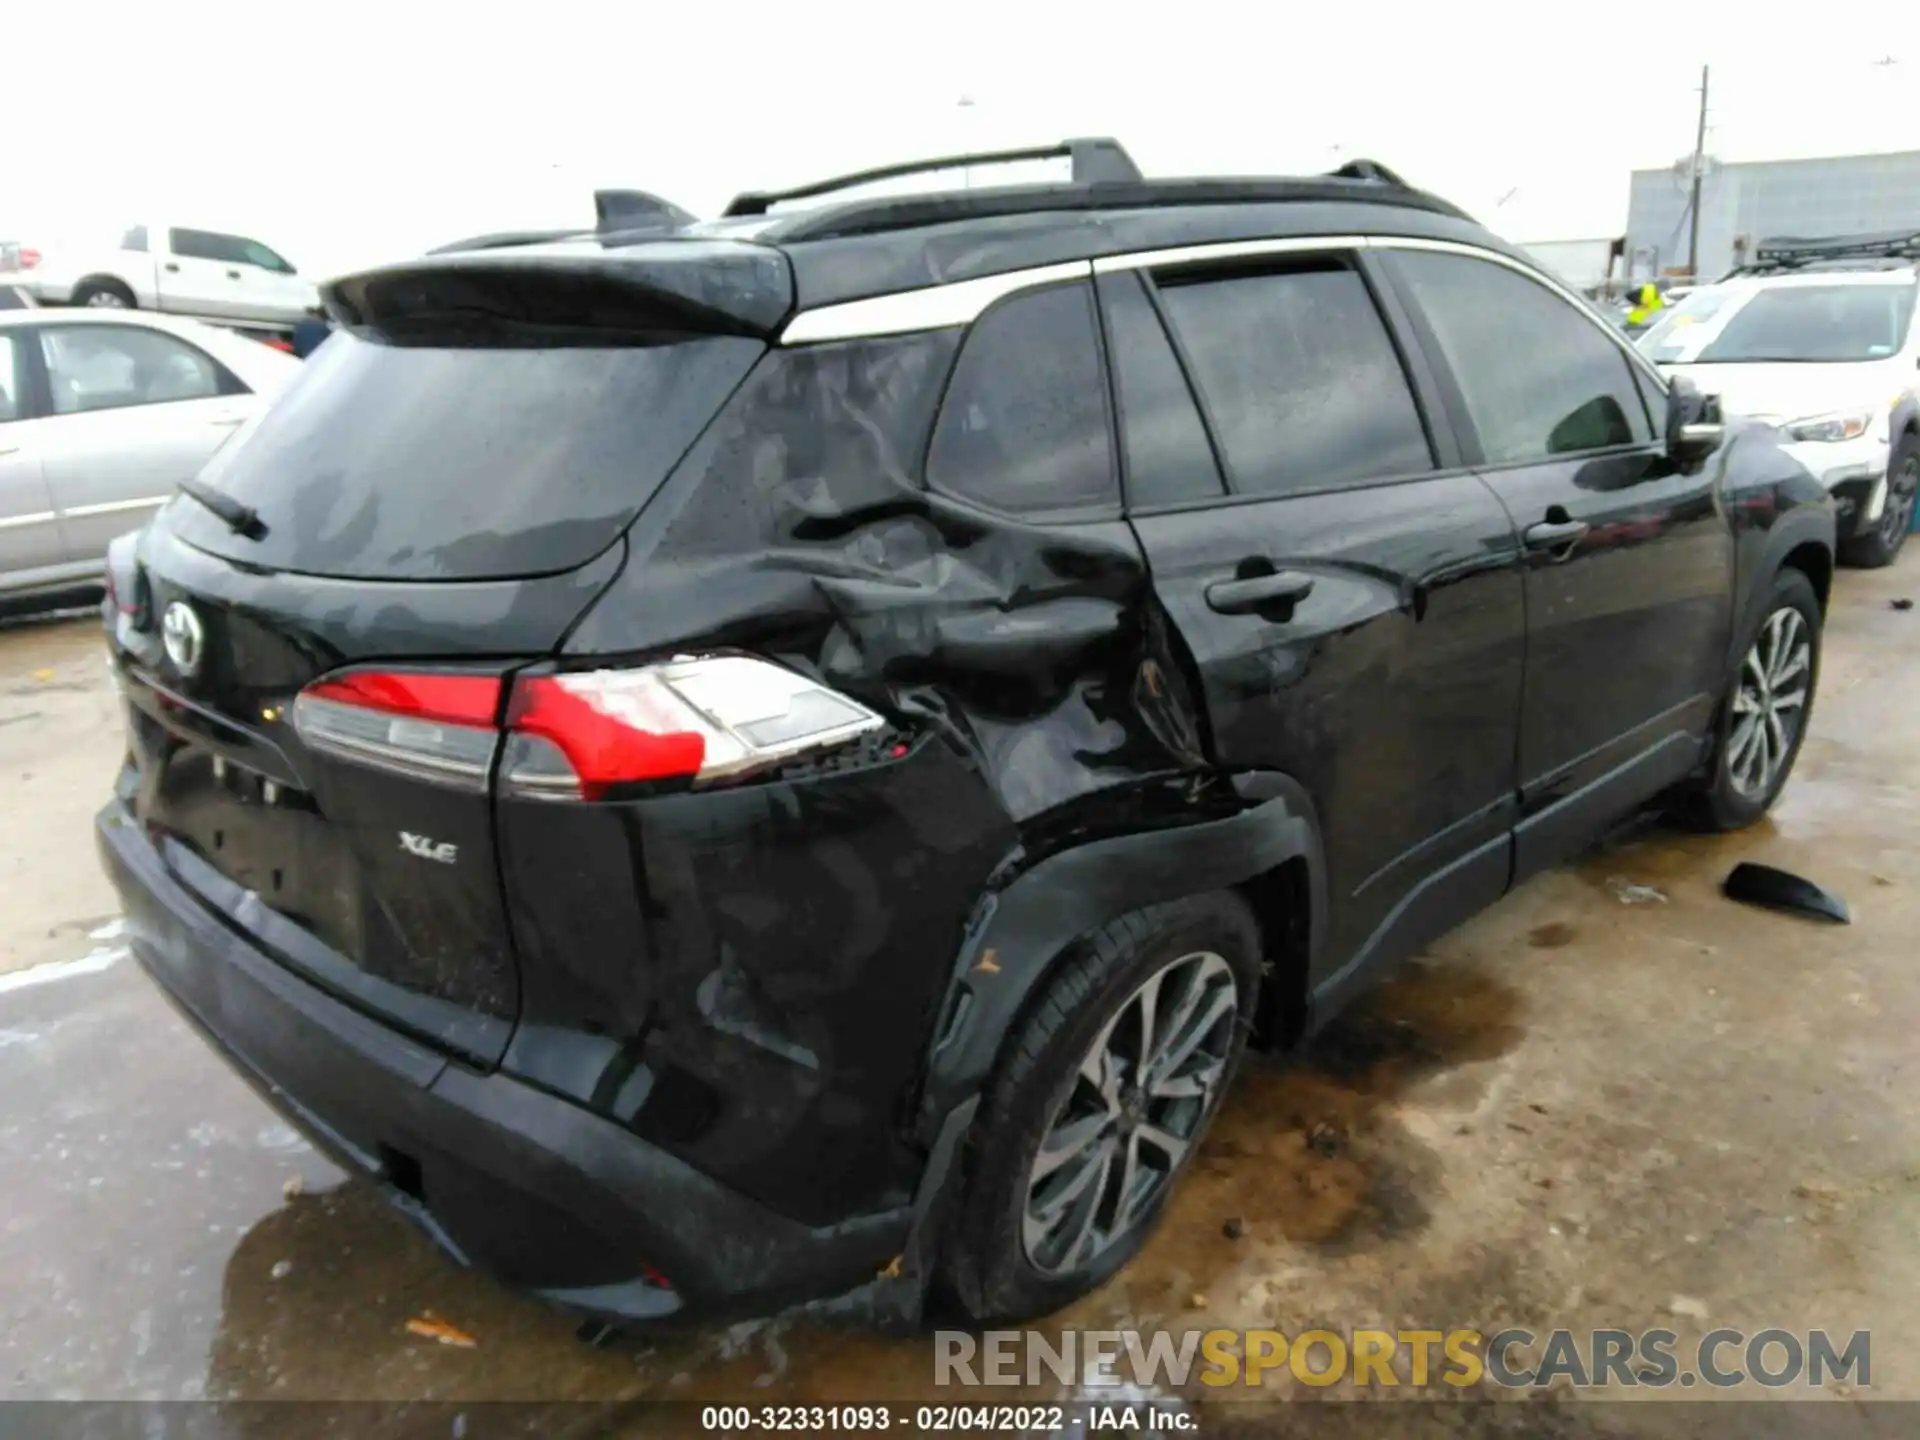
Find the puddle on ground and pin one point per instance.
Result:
(1305, 1155)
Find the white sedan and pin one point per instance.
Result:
(102, 415)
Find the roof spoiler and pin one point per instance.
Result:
(1098, 161)
(672, 287)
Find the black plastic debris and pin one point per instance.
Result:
(1773, 889)
(1903, 603)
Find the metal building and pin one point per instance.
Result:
(1744, 204)
(1583, 264)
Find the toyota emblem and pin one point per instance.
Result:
(183, 636)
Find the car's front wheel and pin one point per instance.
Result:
(1100, 1103)
(1880, 544)
(1766, 709)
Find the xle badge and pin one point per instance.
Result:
(445, 851)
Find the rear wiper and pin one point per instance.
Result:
(242, 519)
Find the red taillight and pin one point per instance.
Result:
(461, 699)
(601, 749)
(431, 727)
(29, 259)
(578, 736)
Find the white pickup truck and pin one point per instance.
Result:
(206, 274)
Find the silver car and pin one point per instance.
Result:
(102, 415)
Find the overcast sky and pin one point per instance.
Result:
(345, 133)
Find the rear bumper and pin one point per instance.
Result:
(502, 1175)
(47, 289)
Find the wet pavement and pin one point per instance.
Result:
(1573, 1112)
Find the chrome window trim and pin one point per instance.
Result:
(931, 307)
(1477, 252)
(961, 302)
(1225, 250)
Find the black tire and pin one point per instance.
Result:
(109, 294)
(1721, 801)
(985, 1262)
(1881, 545)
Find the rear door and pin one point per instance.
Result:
(201, 275)
(133, 412)
(1349, 591)
(319, 692)
(31, 547)
(1629, 561)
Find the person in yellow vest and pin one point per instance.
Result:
(1646, 305)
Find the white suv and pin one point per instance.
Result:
(1820, 340)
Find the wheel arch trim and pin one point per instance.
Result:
(1022, 930)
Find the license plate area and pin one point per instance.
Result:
(267, 837)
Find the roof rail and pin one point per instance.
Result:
(1787, 252)
(1095, 162)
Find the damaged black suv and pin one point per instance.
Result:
(728, 763)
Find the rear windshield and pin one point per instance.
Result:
(425, 463)
(1835, 323)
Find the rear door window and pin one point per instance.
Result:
(1299, 377)
(11, 407)
(1024, 427)
(197, 245)
(111, 367)
(1169, 458)
(1539, 377)
(470, 462)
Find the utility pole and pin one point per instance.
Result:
(1699, 147)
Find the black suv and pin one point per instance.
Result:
(785, 758)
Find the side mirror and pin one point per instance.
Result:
(1695, 426)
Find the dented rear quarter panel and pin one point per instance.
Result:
(796, 936)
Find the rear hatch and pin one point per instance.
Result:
(317, 689)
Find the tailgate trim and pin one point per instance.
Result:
(440, 1023)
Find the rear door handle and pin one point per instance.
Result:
(233, 274)
(1551, 534)
(1245, 597)
(172, 268)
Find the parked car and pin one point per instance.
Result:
(1828, 350)
(205, 274)
(726, 770)
(102, 415)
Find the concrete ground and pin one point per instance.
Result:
(1574, 1112)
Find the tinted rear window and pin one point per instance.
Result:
(421, 463)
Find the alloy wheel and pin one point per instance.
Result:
(106, 300)
(1137, 1102)
(1770, 701)
(1897, 518)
